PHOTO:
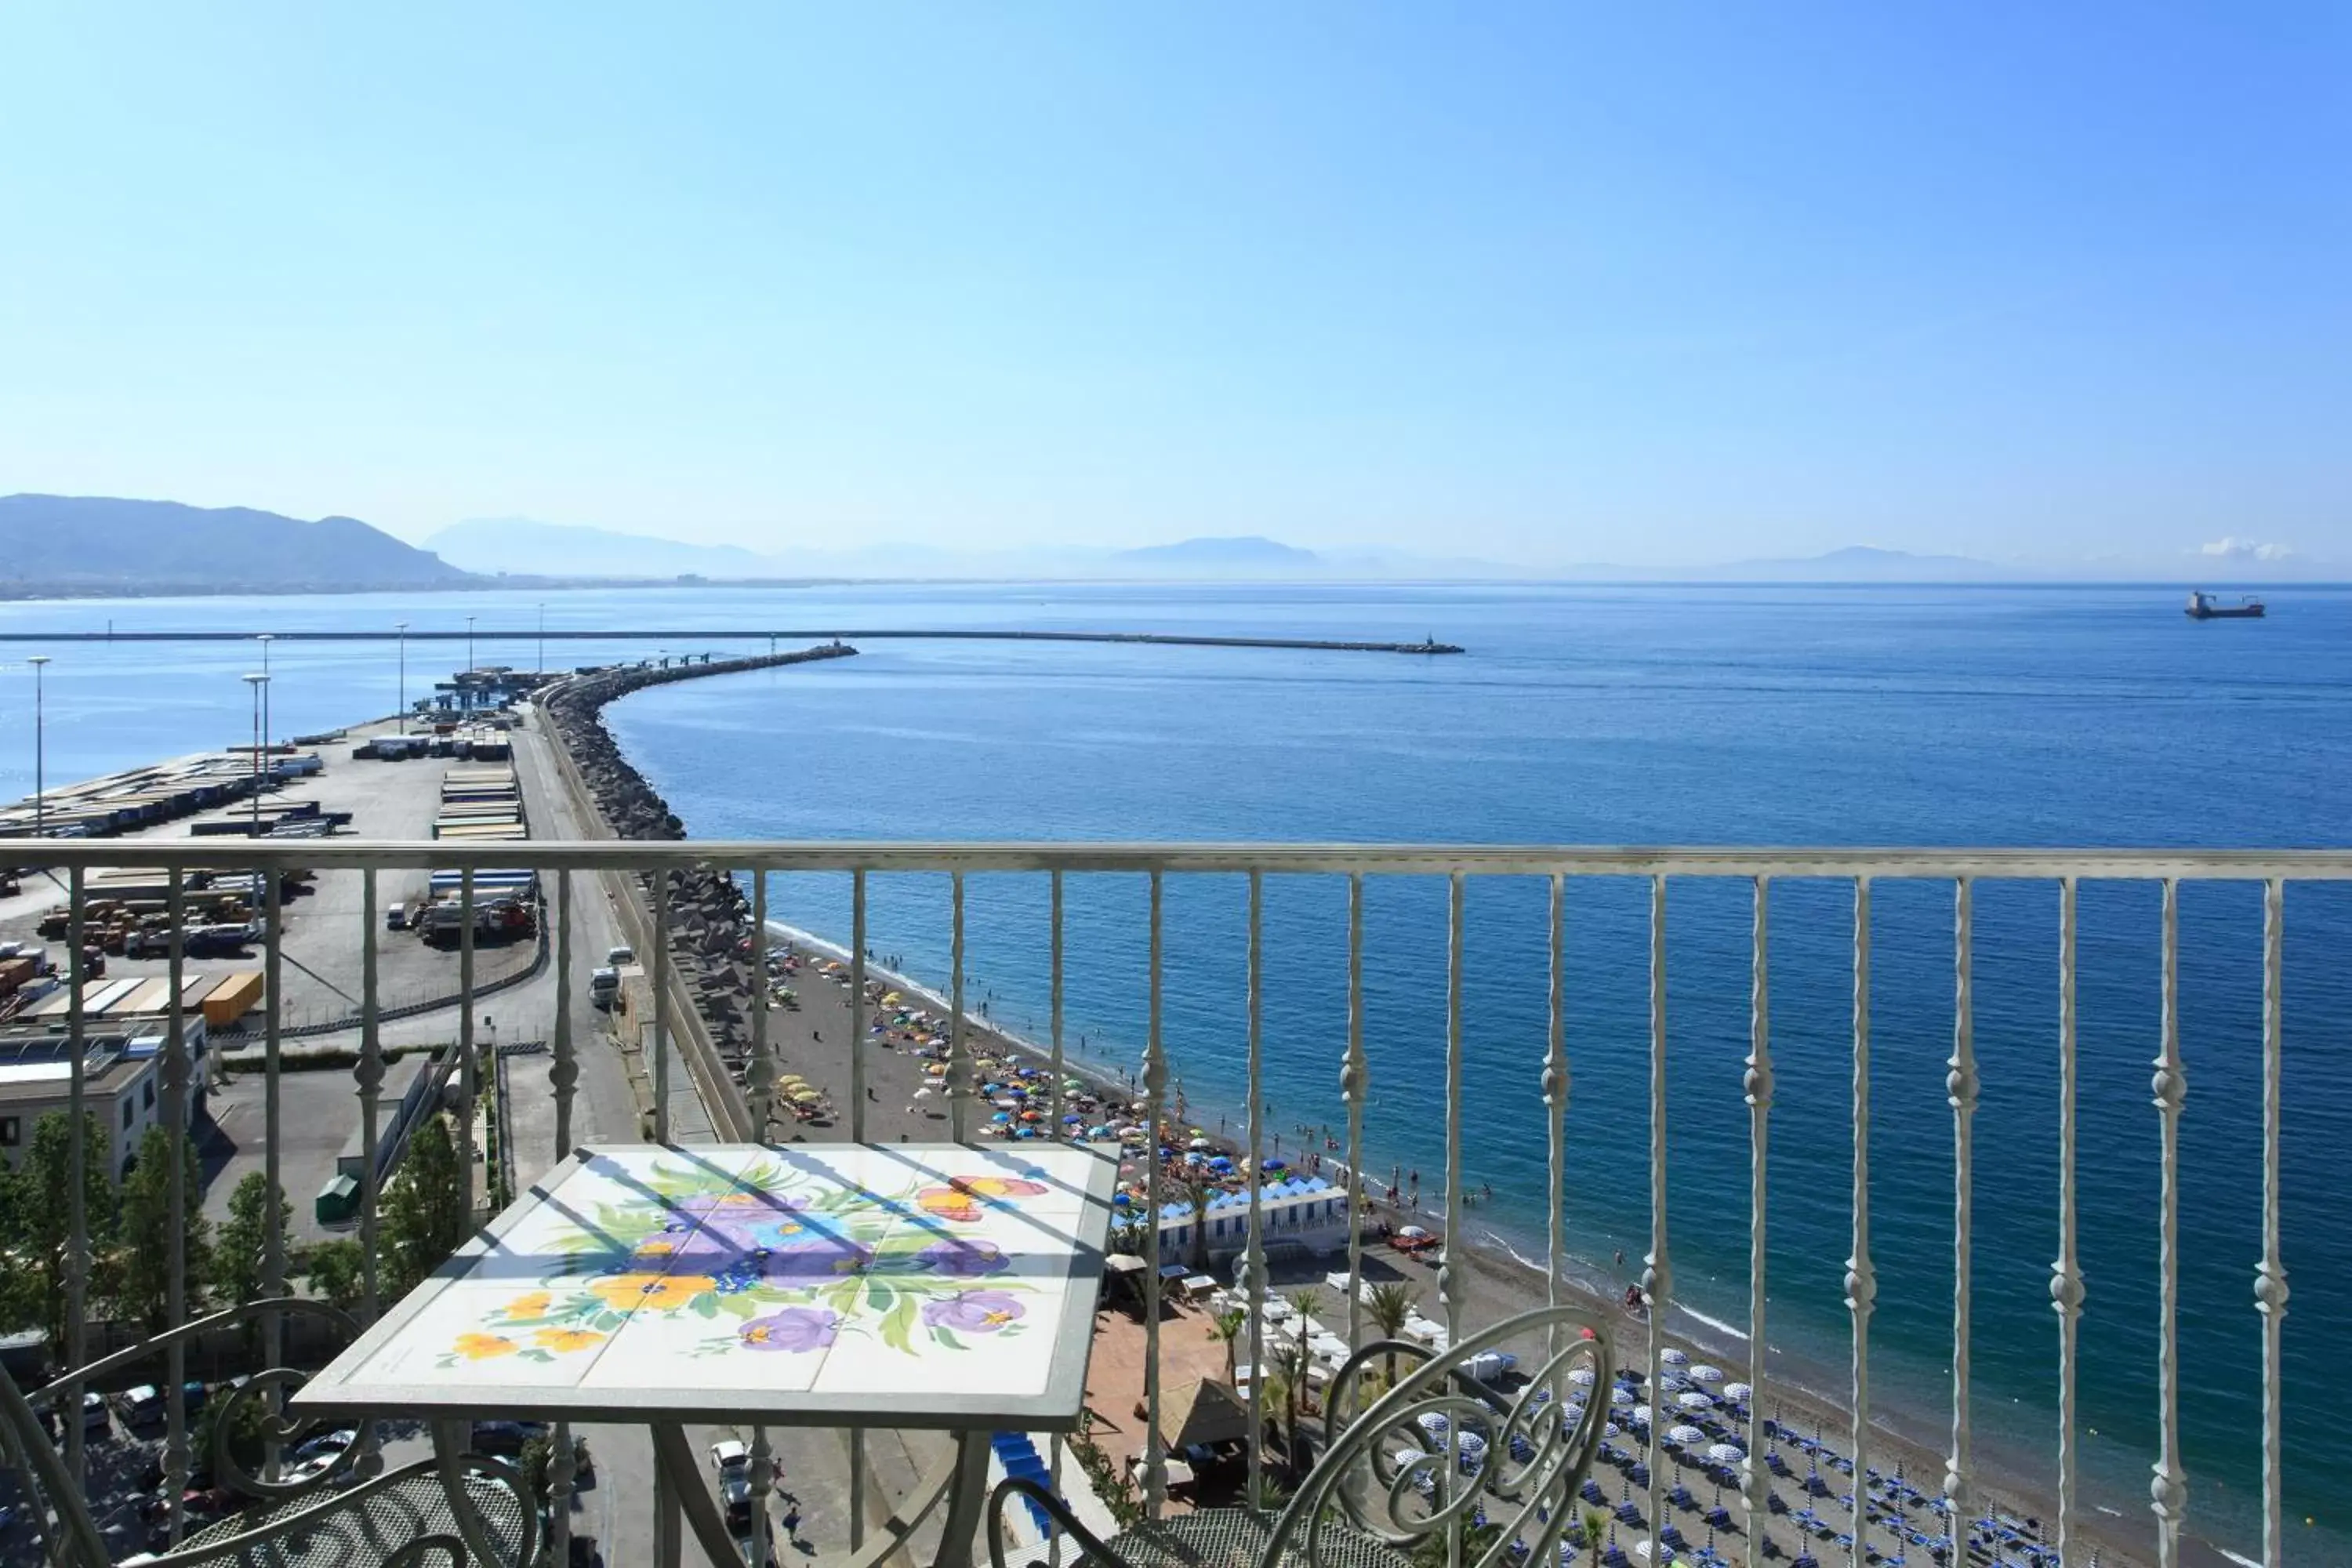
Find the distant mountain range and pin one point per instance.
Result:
(52, 546)
(97, 544)
(524, 547)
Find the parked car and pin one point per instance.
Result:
(733, 1463)
(95, 1420)
(506, 1437)
(396, 917)
(617, 957)
(328, 1444)
(143, 1405)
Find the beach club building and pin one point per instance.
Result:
(1303, 1215)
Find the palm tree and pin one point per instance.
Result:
(1595, 1523)
(1291, 1360)
(1199, 1189)
(1388, 1306)
(1222, 1328)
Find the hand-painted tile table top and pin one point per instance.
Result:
(860, 1284)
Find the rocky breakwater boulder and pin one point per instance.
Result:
(710, 919)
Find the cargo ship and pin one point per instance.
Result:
(2204, 607)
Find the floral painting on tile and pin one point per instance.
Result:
(778, 1261)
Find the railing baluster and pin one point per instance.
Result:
(2270, 1276)
(856, 1135)
(1252, 1279)
(1155, 1086)
(1960, 1094)
(858, 1043)
(661, 890)
(1755, 1476)
(1861, 1280)
(1355, 1079)
(956, 1083)
(273, 1226)
(1657, 1272)
(77, 1259)
(466, 1081)
(369, 1075)
(1555, 1096)
(2169, 1492)
(176, 1288)
(562, 1075)
(1058, 1070)
(2066, 1274)
(1449, 1294)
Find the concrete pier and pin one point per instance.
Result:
(734, 633)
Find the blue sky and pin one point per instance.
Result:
(1544, 284)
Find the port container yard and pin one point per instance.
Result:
(457, 782)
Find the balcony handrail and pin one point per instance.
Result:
(1943, 864)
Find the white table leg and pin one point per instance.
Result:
(965, 1501)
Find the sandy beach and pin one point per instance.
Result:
(814, 1042)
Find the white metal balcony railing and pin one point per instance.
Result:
(739, 1113)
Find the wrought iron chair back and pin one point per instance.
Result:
(74, 1539)
(1434, 1456)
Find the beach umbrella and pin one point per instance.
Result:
(1199, 1144)
(1739, 1391)
(1684, 1434)
(1708, 1373)
(1725, 1453)
(1581, 1377)
(1640, 1416)
(1610, 1429)
(1621, 1395)
(1072, 1118)
(1694, 1400)
(1673, 1357)
(924, 1092)
(1121, 1200)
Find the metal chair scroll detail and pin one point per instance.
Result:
(283, 1516)
(1434, 1452)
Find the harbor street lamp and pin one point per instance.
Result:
(264, 639)
(40, 750)
(261, 684)
(469, 645)
(401, 627)
(542, 637)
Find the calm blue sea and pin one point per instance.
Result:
(1589, 715)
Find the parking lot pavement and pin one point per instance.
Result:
(317, 1111)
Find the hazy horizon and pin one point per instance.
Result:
(1670, 289)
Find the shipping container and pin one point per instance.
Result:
(146, 996)
(233, 998)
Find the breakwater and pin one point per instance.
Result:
(736, 634)
(709, 916)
